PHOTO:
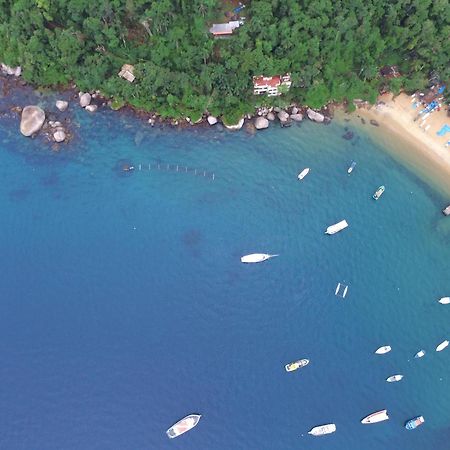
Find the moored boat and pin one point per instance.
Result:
(394, 378)
(375, 417)
(296, 365)
(444, 300)
(419, 354)
(323, 429)
(256, 257)
(351, 167)
(383, 350)
(441, 346)
(414, 423)
(183, 425)
(303, 173)
(332, 229)
(378, 193)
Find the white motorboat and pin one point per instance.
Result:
(183, 425)
(378, 193)
(256, 257)
(419, 354)
(444, 300)
(296, 365)
(332, 229)
(323, 429)
(394, 378)
(303, 173)
(383, 350)
(441, 346)
(352, 166)
(375, 417)
(414, 423)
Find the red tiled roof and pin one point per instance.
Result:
(267, 81)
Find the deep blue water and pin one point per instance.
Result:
(124, 305)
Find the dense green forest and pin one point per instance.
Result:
(334, 49)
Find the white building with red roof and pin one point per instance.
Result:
(271, 85)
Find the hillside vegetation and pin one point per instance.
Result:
(334, 49)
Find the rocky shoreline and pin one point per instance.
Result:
(55, 124)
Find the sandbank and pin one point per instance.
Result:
(409, 138)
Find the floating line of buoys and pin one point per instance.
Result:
(176, 168)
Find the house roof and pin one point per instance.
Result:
(224, 28)
(267, 81)
(127, 72)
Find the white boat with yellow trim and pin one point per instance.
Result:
(296, 365)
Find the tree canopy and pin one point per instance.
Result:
(334, 49)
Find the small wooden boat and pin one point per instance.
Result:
(394, 378)
(351, 167)
(441, 346)
(378, 193)
(414, 423)
(303, 173)
(183, 425)
(444, 300)
(420, 354)
(383, 350)
(332, 229)
(296, 365)
(375, 417)
(256, 258)
(323, 429)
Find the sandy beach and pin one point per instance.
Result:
(410, 138)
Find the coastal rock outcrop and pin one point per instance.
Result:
(59, 136)
(263, 111)
(283, 116)
(297, 117)
(7, 70)
(249, 127)
(294, 110)
(32, 120)
(237, 126)
(348, 135)
(270, 116)
(85, 99)
(62, 105)
(261, 123)
(315, 116)
(91, 108)
(212, 120)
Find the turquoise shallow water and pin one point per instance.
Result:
(124, 305)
